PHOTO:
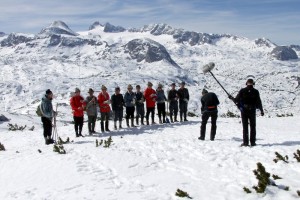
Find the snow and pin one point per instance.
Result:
(148, 162)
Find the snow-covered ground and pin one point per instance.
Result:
(148, 162)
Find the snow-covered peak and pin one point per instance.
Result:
(57, 28)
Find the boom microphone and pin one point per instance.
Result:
(208, 67)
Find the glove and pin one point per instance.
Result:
(153, 95)
(262, 113)
(186, 100)
(231, 97)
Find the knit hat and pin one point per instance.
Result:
(48, 91)
(182, 83)
(159, 85)
(150, 84)
(129, 86)
(173, 84)
(77, 90)
(204, 91)
(103, 87)
(117, 88)
(91, 90)
(250, 82)
(137, 86)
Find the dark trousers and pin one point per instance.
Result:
(118, 115)
(104, 117)
(183, 109)
(249, 117)
(78, 124)
(91, 123)
(205, 116)
(152, 111)
(161, 109)
(47, 125)
(130, 112)
(173, 107)
(140, 113)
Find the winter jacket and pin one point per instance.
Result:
(150, 96)
(161, 97)
(172, 96)
(140, 99)
(248, 99)
(76, 103)
(47, 108)
(129, 99)
(209, 102)
(183, 94)
(103, 100)
(91, 105)
(117, 102)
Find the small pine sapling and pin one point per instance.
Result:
(297, 155)
(247, 190)
(15, 127)
(280, 157)
(108, 142)
(32, 128)
(59, 149)
(99, 143)
(275, 177)
(2, 148)
(39, 151)
(181, 193)
(263, 178)
(61, 142)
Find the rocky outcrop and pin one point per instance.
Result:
(14, 39)
(283, 53)
(148, 50)
(264, 42)
(109, 28)
(2, 34)
(57, 28)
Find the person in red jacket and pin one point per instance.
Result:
(77, 104)
(150, 97)
(104, 101)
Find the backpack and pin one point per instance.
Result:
(39, 111)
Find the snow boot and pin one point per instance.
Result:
(175, 119)
(137, 120)
(120, 124)
(142, 121)
(115, 125)
(132, 124)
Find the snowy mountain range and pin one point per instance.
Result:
(62, 59)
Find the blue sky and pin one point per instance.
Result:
(277, 20)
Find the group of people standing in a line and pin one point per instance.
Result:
(134, 103)
(248, 100)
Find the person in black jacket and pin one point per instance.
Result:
(248, 100)
(209, 108)
(140, 107)
(184, 97)
(117, 102)
(173, 103)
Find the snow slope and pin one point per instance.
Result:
(62, 60)
(148, 162)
